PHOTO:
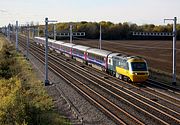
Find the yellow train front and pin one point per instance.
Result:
(128, 68)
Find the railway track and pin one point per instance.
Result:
(104, 104)
(166, 116)
(170, 97)
(163, 86)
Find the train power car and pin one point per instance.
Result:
(97, 58)
(111, 64)
(128, 68)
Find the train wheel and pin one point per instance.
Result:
(114, 74)
(121, 77)
(129, 80)
(117, 75)
(124, 78)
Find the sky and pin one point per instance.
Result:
(133, 11)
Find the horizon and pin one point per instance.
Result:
(116, 11)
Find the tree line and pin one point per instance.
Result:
(111, 31)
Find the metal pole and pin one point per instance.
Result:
(70, 33)
(38, 31)
(8, 32)
(5, 31)
(12, 29)
(46, 53)
(28, 35)
(17, 36)
(54, 27)
(174, 51)
(33, 33)
(100, 39)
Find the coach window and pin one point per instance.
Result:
(82, 53)
(90, 56)
(101, 58)
(74, 50)
(98, 58)
(95, 57)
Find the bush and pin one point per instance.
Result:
(23, 97)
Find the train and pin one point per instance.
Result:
(128, 68)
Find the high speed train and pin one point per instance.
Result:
(127, 68)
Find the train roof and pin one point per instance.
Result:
(51, 40)
(80, 47)
(68, 45)
(113, 54)
(59, 42)
(100, 52)
(42, 38)
(126, 57)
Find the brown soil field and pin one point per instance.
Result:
(158, 54)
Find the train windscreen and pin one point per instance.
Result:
(138, 66)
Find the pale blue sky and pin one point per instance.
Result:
(135, 11)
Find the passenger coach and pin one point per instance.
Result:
(79, 53)
(97, 58)
(57, 46)
(67, 49)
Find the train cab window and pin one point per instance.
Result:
(126, 66)
(138, 66)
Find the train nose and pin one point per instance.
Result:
(139, 76)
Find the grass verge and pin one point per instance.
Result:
(24, 100)
(162, 76)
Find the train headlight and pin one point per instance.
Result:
(134, 73)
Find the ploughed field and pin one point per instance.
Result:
(157, 53)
